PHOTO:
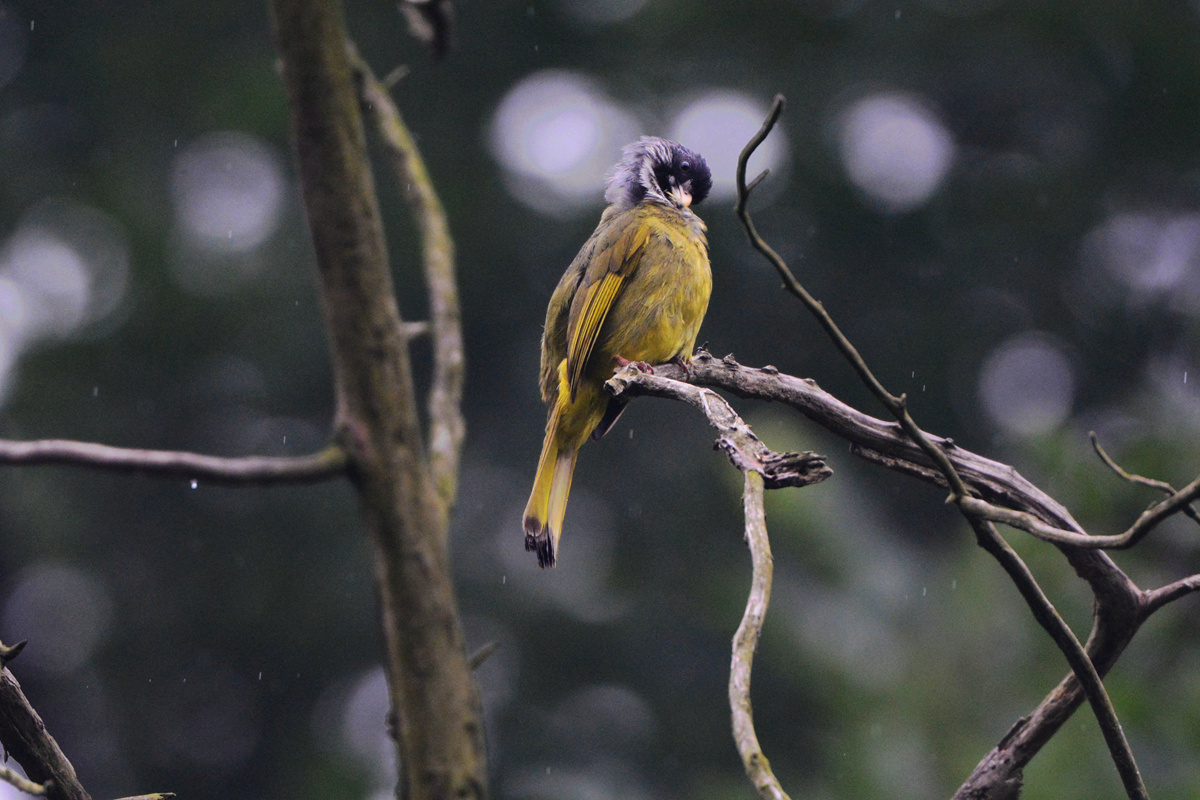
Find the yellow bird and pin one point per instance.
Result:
(637, 292)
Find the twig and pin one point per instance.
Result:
(9, 652)
(414, 329)
(986, 535)
(873, 438)
(758, 769)
(432, 22)
(21, 783)
(397, 74)
(1138, 480)
(1146, 522)
(885, 443)
(262, 470)
(1157, 598)
(446, 425)
(482, 654)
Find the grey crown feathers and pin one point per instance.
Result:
(650, 162)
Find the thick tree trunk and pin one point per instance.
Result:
(438, 730)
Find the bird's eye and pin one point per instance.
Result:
(685, 167)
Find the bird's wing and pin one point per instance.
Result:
(616, 258)
(554, 337)
(558, 312)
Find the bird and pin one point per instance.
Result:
(636, 293)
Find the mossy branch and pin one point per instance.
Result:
(446, 425)
(439, 732)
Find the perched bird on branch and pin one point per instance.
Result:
(636, 293)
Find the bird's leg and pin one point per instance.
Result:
(640, 366)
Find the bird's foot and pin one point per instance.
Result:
(684, 364)
(640, 366)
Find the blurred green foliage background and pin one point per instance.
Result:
(999, 201)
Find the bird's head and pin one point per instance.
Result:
(654, 170)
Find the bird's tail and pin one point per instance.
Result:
(548, 501)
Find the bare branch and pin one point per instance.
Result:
(262, 470)
(894, 404)
(1157, 598)
(761, 468)
(992, 480)
(446, 425)
(25, 738)
(986, 535)
(1146, 522)
(1115, 625)
(1121, 473)
(884, 443)
(1119, 610)
(1032, 525)
(1139, 480)
(1084, 669)
(745, 450)
(758, 769)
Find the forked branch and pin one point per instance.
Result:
(973, 509)
(761, 468)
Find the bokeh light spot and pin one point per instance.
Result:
(65, 267)
(53, 281)
(894, 149)
(63, 272)
(717, 125)
(556, 134)
(67, 609)
(1147, 252)
(1027, 385)
(228, 189)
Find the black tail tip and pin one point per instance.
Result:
(542, 544)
